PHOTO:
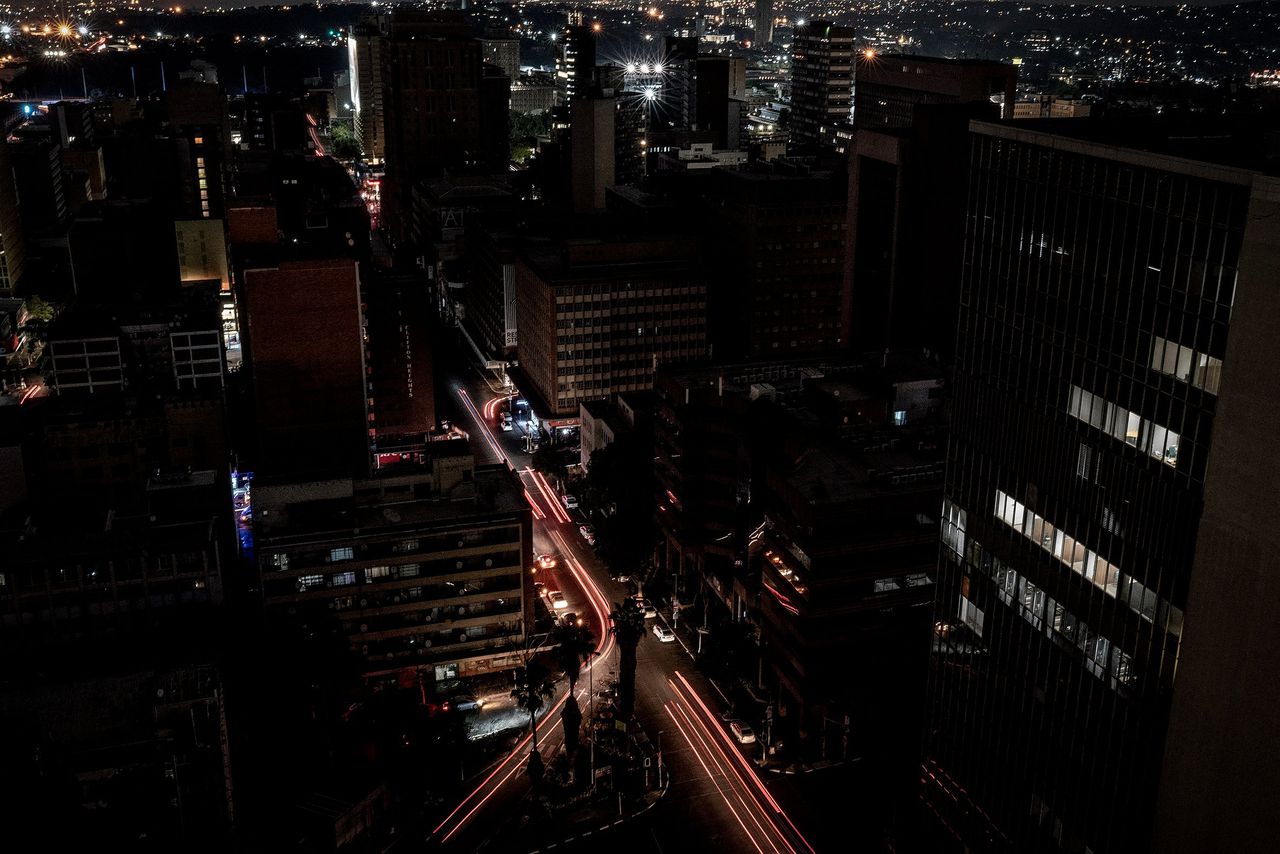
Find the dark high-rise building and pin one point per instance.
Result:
(721, 91)
(629, 142)
(495, 117)
(37, 167)
(776, 235)
(821, 81)
(201, 122)
(73, 123)
(676, 105)
(592, 146)
(304, 334)
(274, 122)
(890, 87)
(1106, 575)
(435, 98)
(907, 192)
(763, 34)
(13, 250)
(504, 53)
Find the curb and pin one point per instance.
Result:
(607, 825)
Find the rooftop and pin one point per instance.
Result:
(1251, 144)
(595, 258)
(348, 508)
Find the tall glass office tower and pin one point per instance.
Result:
(1105, 552)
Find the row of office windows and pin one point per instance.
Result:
(410, 545)
(1086, 562)
(1198, 369)
(1102, 657)
(1159, 442)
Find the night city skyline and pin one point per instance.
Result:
(478, 426)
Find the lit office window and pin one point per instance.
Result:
(1198, 369)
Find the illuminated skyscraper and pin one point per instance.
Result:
(576, 62)
(364, 51)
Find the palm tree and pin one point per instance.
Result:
(628, 628)
(571, 719)
(531, 691)
(575, 644)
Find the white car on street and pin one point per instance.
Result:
(742, 732)
(645, 605)
(557, 600)
(664, 634)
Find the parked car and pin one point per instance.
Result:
(621, 576)
(742, 732)
(588, 533)
(545, 561)
(539, 588)
(557, 600)
(570, 618)
(506, 423)
(664, 634)
(570, 502)
(645, 605)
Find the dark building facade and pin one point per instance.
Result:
(439, 105)
(304, 334)
(776, 250)
(423, 567)
(890, 87)
(763, 34)
(907, 192)
(13, 247)
(821, 81)
(598, 316)
(1115, 305)
(37, 166)
(720, 98)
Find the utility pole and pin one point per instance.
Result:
(591, 720)
(660, 758)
